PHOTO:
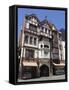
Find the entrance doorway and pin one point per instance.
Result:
(44, 71)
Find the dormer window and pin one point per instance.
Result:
(42, 29)
(49, 31)
(45, 30)
(32, 27)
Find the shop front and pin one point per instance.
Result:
(58, 69)
(30, 70)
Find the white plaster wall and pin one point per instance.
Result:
(35, 53)
(42, 55)
(41, 51)
(27, 25)
(63, 50)
(59, 55)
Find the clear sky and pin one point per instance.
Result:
(56, 17)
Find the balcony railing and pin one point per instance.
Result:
(39, 33)
(31, 31)
(45, 34)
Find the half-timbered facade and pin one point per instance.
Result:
(39, 45)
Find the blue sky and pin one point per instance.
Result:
(56, 17)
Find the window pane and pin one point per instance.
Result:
(31, 40)
(29, 53)
(46, 46)
(26, 39)
(49, 31)
(45, 52)
(55, 56)
(41, 46)
(35, 41)
(45, 30)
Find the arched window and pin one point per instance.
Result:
(41, 46)
(46, 46)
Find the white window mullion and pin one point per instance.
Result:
(28, 39)
(47, 31)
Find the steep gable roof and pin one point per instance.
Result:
(32, 15)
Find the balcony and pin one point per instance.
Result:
(31, 31)
(30, 45)
(45, 34)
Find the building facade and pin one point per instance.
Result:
(39, 48)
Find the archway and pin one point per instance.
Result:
(44, 71)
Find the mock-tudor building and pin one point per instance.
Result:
(40, 48)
